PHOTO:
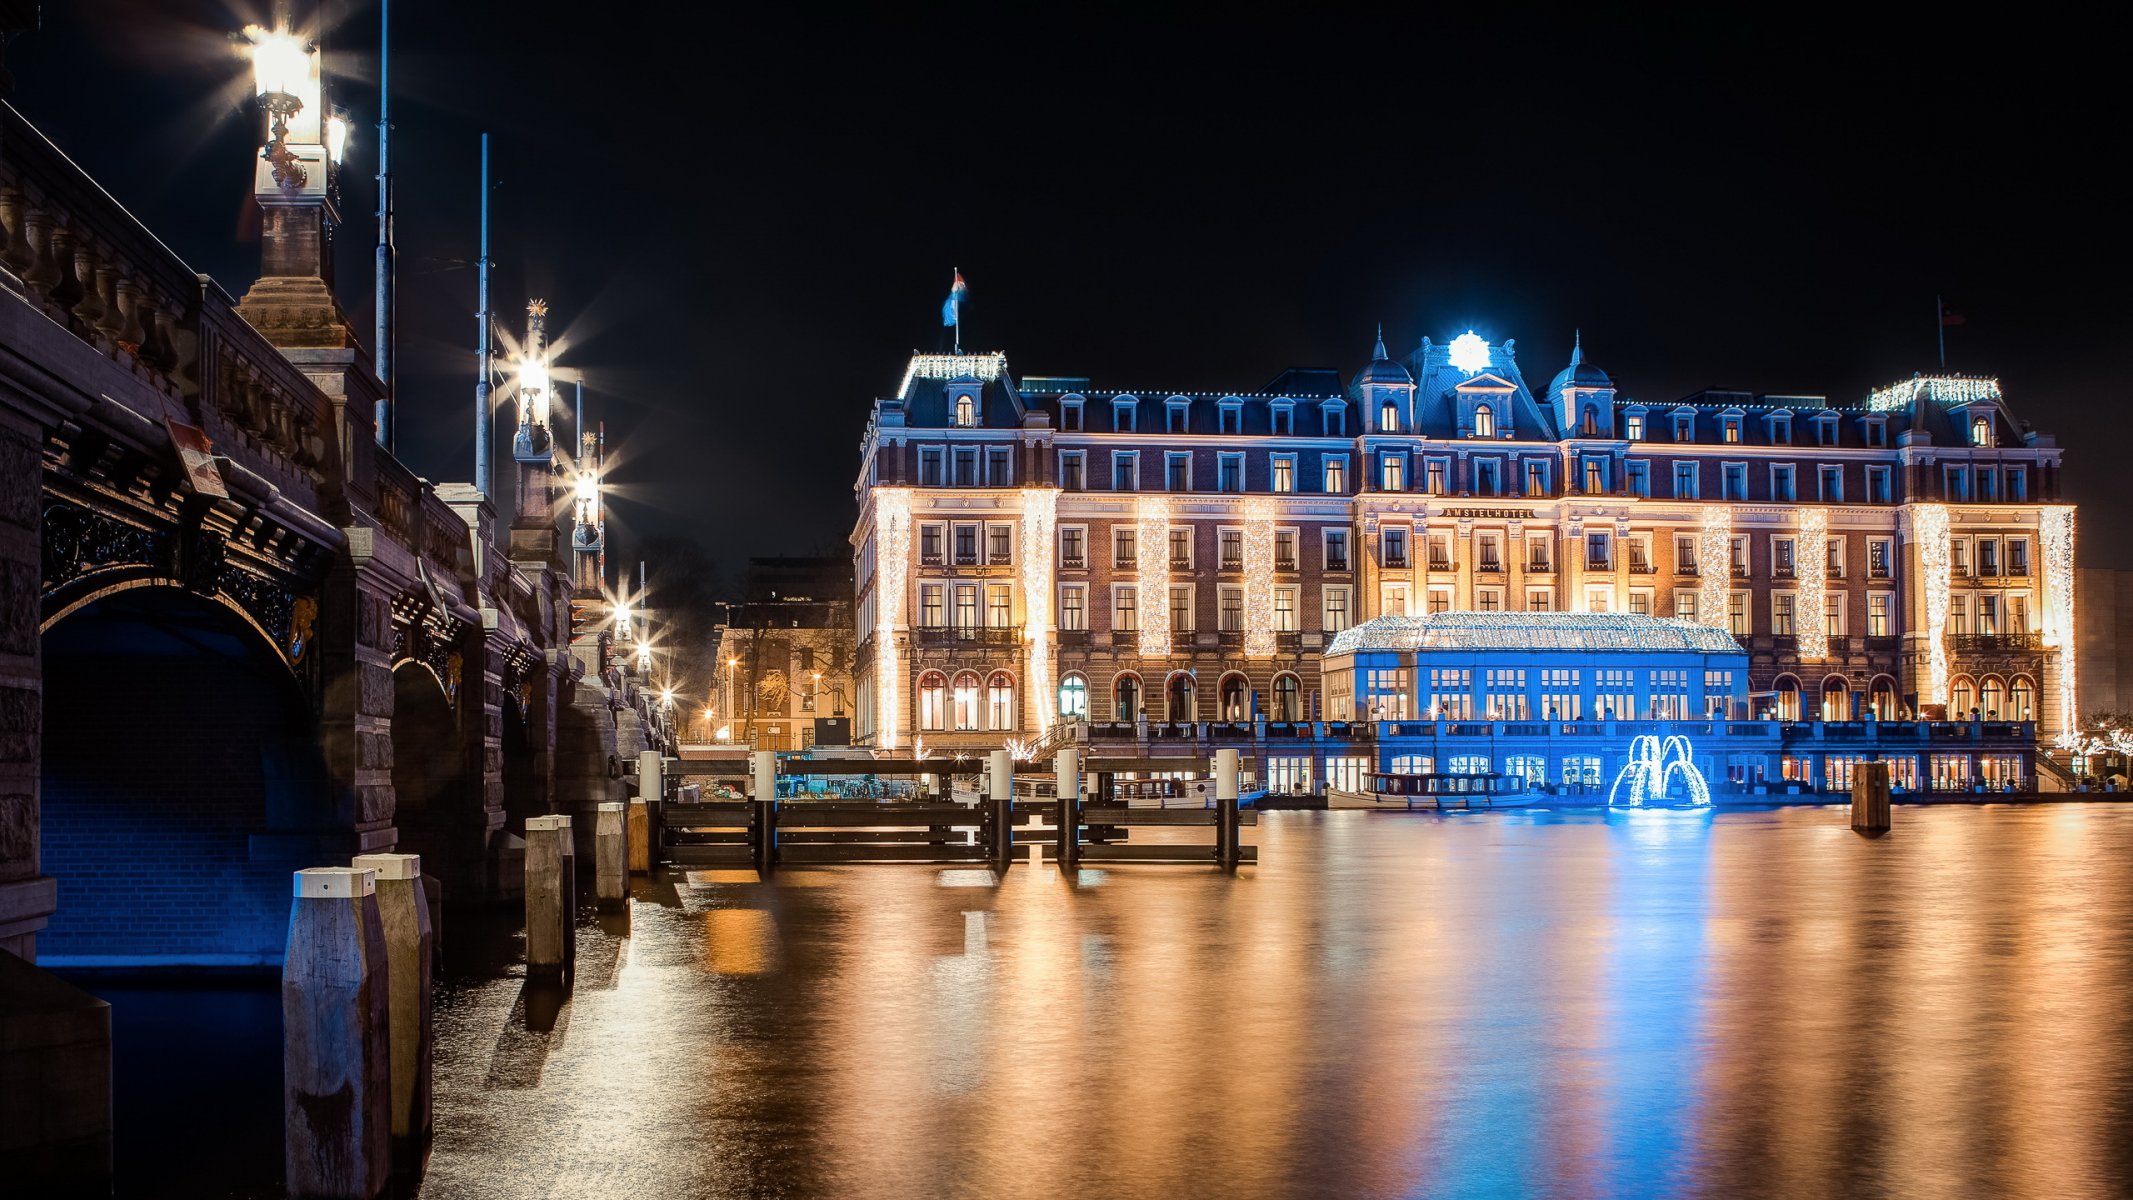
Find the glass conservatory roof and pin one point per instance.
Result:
(1533, 631)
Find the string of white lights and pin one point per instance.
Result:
(1259, 578)
(1714, 565)
(1810, 557)
(2056, 532)
(1040, 512)
(1929, 530)
(1947, 390)
(1152, 563)
(892, 559)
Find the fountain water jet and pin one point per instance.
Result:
(1650, 773)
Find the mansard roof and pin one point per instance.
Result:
(1436, 388)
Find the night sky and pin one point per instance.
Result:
(744, 221)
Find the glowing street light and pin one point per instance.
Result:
(337, 137)
(281, 74)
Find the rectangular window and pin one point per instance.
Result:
(1633, 427)
(1959, 556)
(1780, 431)
(930, 539)
(1336, 609)
(1833, 557)
(997, 471)
(1955, 483)
(929, 467)
(1878, 605)
(964, 464)
(1073, 546)
(1176, 418)
(1562, 699)
(1731, 430)
(1737, 622)
(1640, 603)
(1451, 694)
(1232, 543)
(1640, 553)
(1539, 600)
(1595, 475)
(1336, 472)
(1832, 484)
(1668, 688)
(1073, 470)
(1283, 419)
(1181, 608)
(1739, 555)
(2018, 556)
(1336, 549)
(1685, 605)
(1537, 553)
(1879, 486)
(1392, 472)
(1782, 563)
(1734, 481)
(1434, 475)
(1124, 551)
(2017, 483)
(1684, 427)
(1229, 419)
(1833, 614)
(1393, 544)
(1506, 688)
(1392, 600)
(1486, 476)
(1074, 606)
(1125, 471)
(999, 545)
(1988, 483)
(1877, 431)
(999, 606)
(1283, 472)
(931, 613)
(1181, 549)
(966, 545)
(1597, 552)
(1488, 548)
(1177, 472)
(1125, 609)
(1284, 549)
(1123, 416)
(1879, 558)
(1684, 555)
(1536, 477)
(1639, 478)
(1070, 417)
(1231, 603)
(1285, 610)
(1684, 481)
(1781, 486)
(1488, 599)
(966, 606)
(1440, 552)
(1229, 473)
(1781, 613)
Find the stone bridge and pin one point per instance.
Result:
(219, 667)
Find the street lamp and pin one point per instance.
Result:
(281, 71)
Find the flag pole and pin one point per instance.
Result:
(1940, 326)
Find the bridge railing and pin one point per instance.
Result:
(94, 269)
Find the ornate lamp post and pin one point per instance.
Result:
(281, 75)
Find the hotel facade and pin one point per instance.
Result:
(1036, 549)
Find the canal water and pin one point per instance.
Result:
(1654, 1003)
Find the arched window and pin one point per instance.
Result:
(966, 410)
(1484, 421)
(933, 700)
(1181, 698)
(1288, 698)
(1836, 699)
(1788, 698)
(1000, 701)
(965, 696)
(1981, 431)
(1126, 697)
(1235, 699)
(1991, 692)
(2022, 699)
(1074, 698)
(1882, 698)
(1962, 697)
(1590, 425)
(1389, 418)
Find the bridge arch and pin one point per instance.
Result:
(438, 815)
(182, 779)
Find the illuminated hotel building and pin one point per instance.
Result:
(1038, 547)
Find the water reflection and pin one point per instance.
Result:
(1520, 1004)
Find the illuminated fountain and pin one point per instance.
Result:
(1655, 769)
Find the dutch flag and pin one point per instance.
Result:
(952, 307)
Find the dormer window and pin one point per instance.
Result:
(1781, 431)
(1484, 421)
(1177, 416)
(1877, 431)
(1335, 419)
(1684, 427)
(1981, 431)
(1731, 429)
(1589, 424)
(1122, 415)
(1389, 418)
(1284, 419)
(1070, 416)
(1633, 427)
(966, 410)
(1229, 418)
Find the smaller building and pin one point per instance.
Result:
(1534, 666)
(783, 677)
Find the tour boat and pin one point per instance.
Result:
(1404, 792)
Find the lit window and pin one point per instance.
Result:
(1336, 470)
(1284, 472)
(1484, 421)
(966, 410)
(1392, 472)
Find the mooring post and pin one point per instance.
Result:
(337, 1102)
(1226, 818)
(639, 836)
(546, 914)
(1001, 778)
(1870, 797)
(764, 829)
(1068, 764)
(570, 893)
(611, 855)
(410, 942)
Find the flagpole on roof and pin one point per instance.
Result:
(1940, 327)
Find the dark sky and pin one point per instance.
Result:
(744, 220)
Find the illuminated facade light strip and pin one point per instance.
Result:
(1948, 391)
(2056, 532)
(1152, 555)
(892, 571)
(1929, 530)
(1810, 619)
(1714, 565)
(953, 366)
(1259, 578)
(1040, 513)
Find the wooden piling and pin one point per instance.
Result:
(763, 830)
(546, 914)
(410, 943)
(640, 837)
(1001, 810)
(1227, 832)
(1067, 763)
(336, 1051)
(1870, 797)
(611, 865)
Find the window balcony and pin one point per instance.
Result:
(1489, 567)
(1232, 564)
(1686, 569)
(1288, 641)
(1229, 639)
(1075, 638)
(1989, 642)
(968, 635)
(1740, 570)
(1642, 568)
(1285, 564)
(1784, 571)
(1076, 563)
(1180, 562)
(1540, 568)
(1337, 564)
